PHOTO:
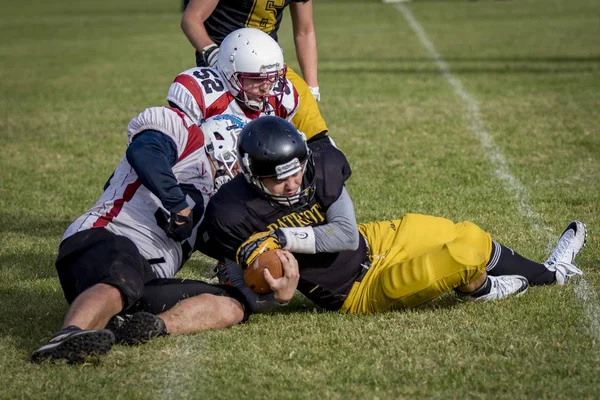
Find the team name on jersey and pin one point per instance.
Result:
(312, 216)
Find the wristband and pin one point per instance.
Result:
(299, 240)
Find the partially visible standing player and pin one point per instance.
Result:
(143, 227)
(207, 22)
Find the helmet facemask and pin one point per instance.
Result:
(305, 191)
(249, 88)
(221, 134)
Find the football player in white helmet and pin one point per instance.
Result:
(250, 81)
(221, 133)
(251, 63)
(143, 227)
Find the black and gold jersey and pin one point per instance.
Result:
(238, 210)
(230, 15)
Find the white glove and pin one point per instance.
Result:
(314, 90)
(210, 54)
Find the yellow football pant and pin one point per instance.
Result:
(416, 259)
(308, 118)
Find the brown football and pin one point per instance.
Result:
(253, 275)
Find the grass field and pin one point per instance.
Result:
(501, 129)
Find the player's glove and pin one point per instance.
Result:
(258, 244)
(314, 90)
(210, 55)
(180, 227)
(221, 178)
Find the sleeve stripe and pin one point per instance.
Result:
(219, 105)
(192, 86)
(195, 136)
(194, 142)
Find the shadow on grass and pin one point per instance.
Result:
(498, 70)
(504, 60)
(463, 65)
(40, 226)
(31, 315)
(26, 266)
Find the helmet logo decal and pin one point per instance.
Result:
(288, 169)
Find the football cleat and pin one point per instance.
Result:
(569, 245)
(137, 328)
(502, 287)
(74, 345)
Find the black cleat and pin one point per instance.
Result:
(136, 328)
(74, 345)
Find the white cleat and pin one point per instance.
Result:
(569, 245)
(504, 286)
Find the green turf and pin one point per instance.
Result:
(74, 73)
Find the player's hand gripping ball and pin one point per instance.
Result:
(254, 275)
(258, 244)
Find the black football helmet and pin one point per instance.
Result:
(271, 147)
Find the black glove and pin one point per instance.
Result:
(232, 274)
(180, 227)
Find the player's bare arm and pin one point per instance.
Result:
(192, 22)
(305, 40)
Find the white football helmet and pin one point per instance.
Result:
(248, 55)
(221, 133)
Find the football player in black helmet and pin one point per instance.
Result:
(342, 266)
(276, 160)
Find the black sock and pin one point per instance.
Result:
(505, 261)
(481, 290)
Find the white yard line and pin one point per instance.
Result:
(584, 291)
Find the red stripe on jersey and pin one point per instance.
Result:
(192, 86)
(281, 111)
(219, 106)
(179, 113)
(251, 114)
(276, 106)
(194, 142)
(195, 135)
(118, 204)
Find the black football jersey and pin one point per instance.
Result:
(230, 15)
(238, 210)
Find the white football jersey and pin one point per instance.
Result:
(201, 94)
(128, 208)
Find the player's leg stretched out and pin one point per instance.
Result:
(167, 308)
(559, 267)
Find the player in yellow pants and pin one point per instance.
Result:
(416, 259)
(293, 200)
